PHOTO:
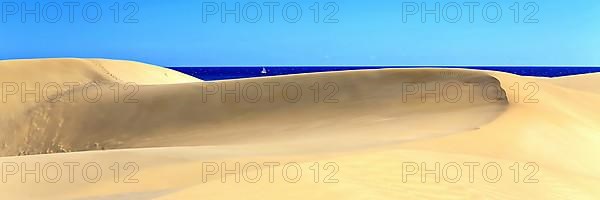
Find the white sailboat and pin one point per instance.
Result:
(264, 71)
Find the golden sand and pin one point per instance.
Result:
(367, 134)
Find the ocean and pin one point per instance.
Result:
(224, 73)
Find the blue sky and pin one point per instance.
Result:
(192, 33)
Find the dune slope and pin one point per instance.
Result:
(204, 114)
(30, 82)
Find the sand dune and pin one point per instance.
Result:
(29, 82)
(89, 70)
(363, 128)
(580, 82)
(189, 114)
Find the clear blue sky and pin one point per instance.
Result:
(187, 33)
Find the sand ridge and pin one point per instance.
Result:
(193, 111)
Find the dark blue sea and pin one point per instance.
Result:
(223, 73)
